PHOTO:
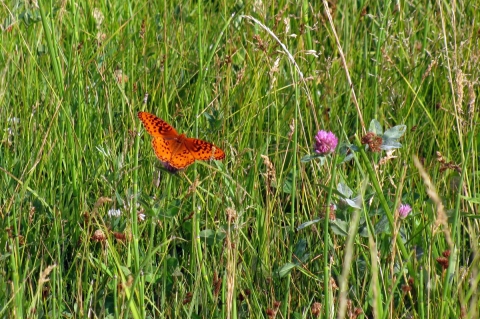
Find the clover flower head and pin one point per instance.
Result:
(325, 142)
(404, 210)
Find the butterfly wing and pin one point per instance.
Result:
(202, 150)
(172, 152)
(163, 148)
(181, 156)
(156, 127)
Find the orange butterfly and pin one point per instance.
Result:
(176, 150)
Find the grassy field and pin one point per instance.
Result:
(94, 226)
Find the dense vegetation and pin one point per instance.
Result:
(94, 226)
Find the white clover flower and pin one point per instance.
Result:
(114, 212)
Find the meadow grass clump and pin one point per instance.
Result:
(348, 188)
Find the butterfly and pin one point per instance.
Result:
(175, 150)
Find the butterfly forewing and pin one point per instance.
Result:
(156, 127)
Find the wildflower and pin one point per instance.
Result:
(114, 213)
(404, 210)
(99, 235)
(120, 77)
(13, 120)
(11, 130)
(406, 288)
(374, 141)
(119, 236)
(325, 142)
(443, 261)
(141, 217)
(333, 208)
(316, 309)
(188, 298)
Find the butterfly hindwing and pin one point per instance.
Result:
(181, 156)
(203, 150)
(163, 148)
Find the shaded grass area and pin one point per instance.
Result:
(93, 226)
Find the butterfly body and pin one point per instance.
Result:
(177, 150)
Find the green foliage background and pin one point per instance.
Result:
(222, 239)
